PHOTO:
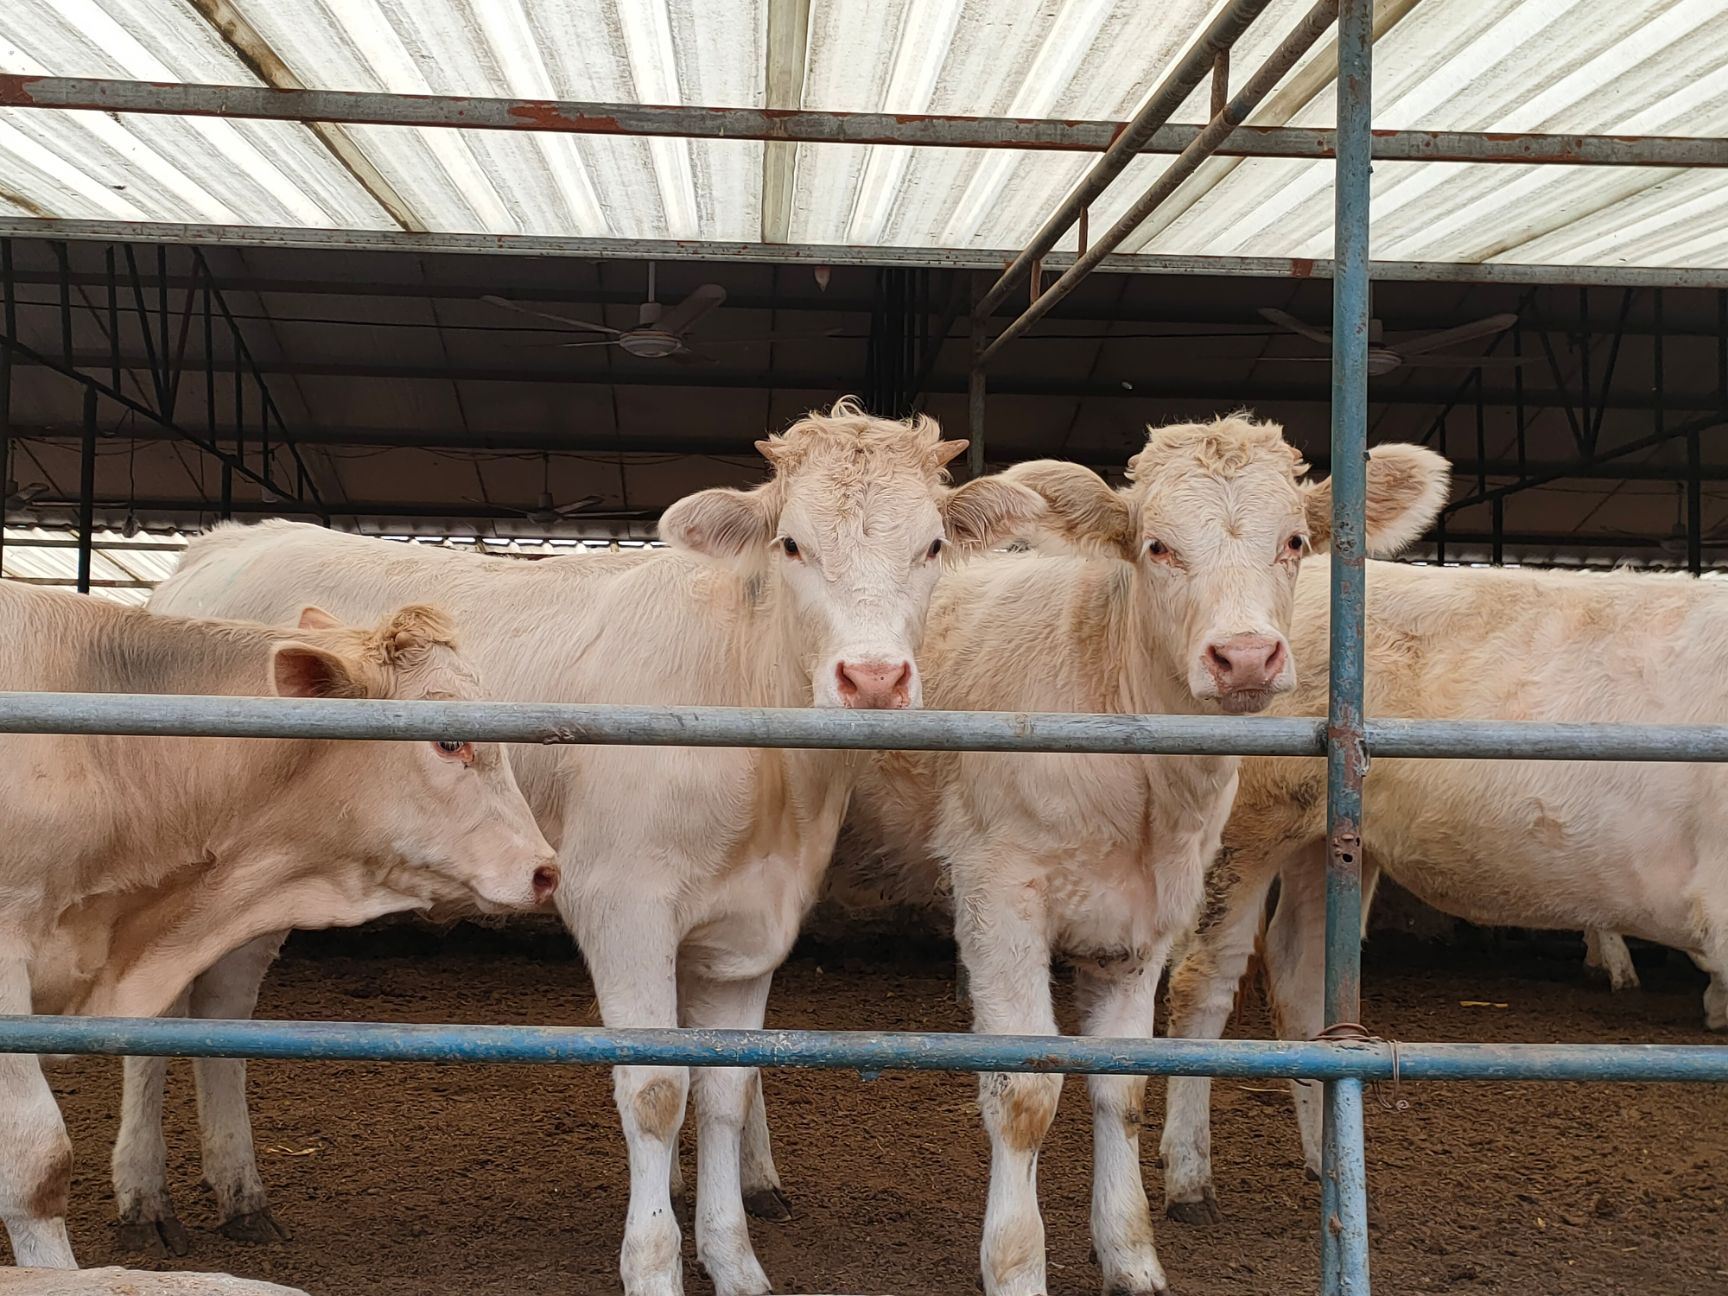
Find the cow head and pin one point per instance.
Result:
(852, 531)
(1215, 519)
(442, 824)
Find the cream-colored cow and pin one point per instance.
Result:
(1098, 861)
(1608, 847)
(130, 865)
(687, 872)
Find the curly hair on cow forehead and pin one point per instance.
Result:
(1225, 447)
(846, 435)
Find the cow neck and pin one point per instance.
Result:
(1152, 680)
(779, 649)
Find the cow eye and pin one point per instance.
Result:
(1157, 548)
(1297, 543)
(453, 749)
(935, 548)
(789, 546)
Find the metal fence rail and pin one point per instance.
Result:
(188, 716)
(865, 1051)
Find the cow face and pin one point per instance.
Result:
(1215, 520)
(852, 532)
(442, 824)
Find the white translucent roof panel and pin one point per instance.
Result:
(93, 166)
(1611, 67)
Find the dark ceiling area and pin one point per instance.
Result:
(381, 390)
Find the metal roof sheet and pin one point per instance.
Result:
(1591, 66)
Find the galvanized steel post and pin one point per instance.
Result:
(1344, 1236)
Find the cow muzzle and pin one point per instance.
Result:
(873, 684)
(1243, 672)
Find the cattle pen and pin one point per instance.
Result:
(1345, 1058)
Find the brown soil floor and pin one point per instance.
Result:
(422, 1179)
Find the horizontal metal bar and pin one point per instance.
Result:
(810, 727)
(1228, 316)
(812, 126)
(866, 1051)
(836, 254)
(1126, 387)
(533, 722)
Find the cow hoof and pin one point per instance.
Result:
(1310, 1174)
(258, 1227)
(768, 1204)
(157, 1239)
(1201, 1213)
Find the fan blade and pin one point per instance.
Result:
(565, 346)
(576, 506)
(1287, 321)
(1463, 333)
(1465, 361)
(682, 317)
(547, 315)
(686, 356)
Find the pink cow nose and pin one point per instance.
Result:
(1245, 662)
(545, 882)
(874, 686)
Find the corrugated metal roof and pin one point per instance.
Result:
(1594, 66)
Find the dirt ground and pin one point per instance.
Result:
(408, 1180)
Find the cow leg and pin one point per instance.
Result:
(1606, 952)
(1121, 1006)
(763, 1196)
(230, 990)
(1295, 955)
(1007, 959)
(1203, 989)
(632, 956)
(148, 1225)
(36, 1165)
(722, 1108)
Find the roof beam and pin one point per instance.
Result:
(664, 376)
(602, 249)
(266, 64)
(553, 441)
(788, 51)
(1308, 84)
(1184, 314)
(785, 124)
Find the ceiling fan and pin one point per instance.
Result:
(1385, 358)
(546, 510)
(22, 497)
(660, 332)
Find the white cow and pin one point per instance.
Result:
(1098, 861)
(1636, 848)
(687, 872)
(130, 865)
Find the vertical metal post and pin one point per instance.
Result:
(1344, 1220)
(87, 492)
(975, 393)
(113, 317)
(63, 260)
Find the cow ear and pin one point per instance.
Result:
(313, 617)
(300, 670)
(722, 523)
(1408, 485)
(988, 511)
(1081, 511)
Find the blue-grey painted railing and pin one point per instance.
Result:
(1343, 1168)
(865, 1051)
(537, 722)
